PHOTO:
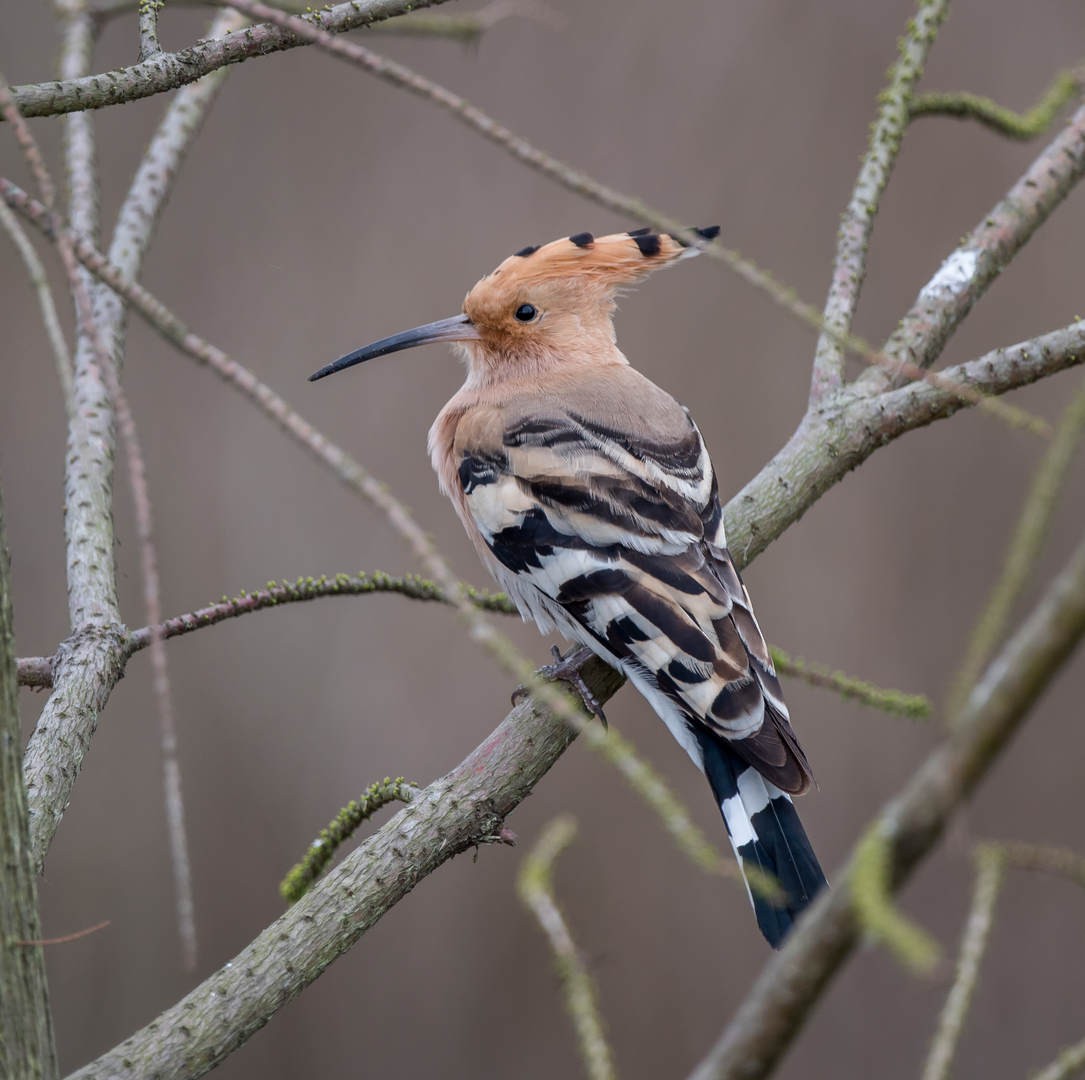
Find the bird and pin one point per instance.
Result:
(591, 498)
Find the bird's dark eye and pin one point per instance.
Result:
(526, 312)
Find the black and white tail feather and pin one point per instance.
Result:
(609, 529)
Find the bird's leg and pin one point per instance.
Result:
(566, 669)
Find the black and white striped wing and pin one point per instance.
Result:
(613, 538)
(617, 541)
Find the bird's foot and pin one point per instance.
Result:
(566, 669)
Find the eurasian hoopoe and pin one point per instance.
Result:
(590, 496)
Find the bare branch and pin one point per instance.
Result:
(139, 215)
(857, 222)
(794, 979)
(536, 887)
(1003, 121)
(27, 1047)
(849, 687)
(990, 866)
(168, 71)
(465, 807)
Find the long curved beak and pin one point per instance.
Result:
(456, 328)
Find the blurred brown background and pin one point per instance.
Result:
(322, 209)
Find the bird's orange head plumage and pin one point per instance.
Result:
(545, 304)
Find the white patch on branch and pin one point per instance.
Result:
(953, 277)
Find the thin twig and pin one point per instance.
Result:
(857, 222)
(990, 867)
(67, 939)
(1029, 534)
(1066, 85)
(536, 888)
(62, 357)
(848, 686)
(140, 212)
(36, 671)
(321, 851)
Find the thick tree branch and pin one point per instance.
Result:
(92, 656)
(794, 979)
(168, 71)
(26, 1023)
(466, 806)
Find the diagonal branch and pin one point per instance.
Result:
(463, 808)
(793, 980)
(168, 71)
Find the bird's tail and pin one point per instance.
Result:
(765, 831)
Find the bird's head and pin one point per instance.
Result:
(544, 305)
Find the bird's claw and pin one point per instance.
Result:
(566, 669)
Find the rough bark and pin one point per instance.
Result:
(26, 1025)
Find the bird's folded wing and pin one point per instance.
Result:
(620, 531)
